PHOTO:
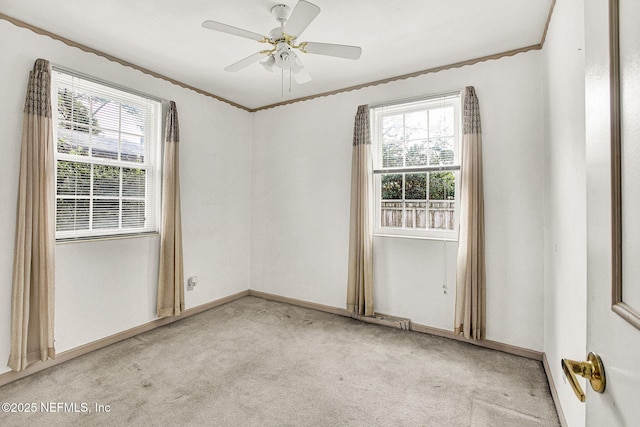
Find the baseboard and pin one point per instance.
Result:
(401, 323)
(493, 345)
(554, 391)
(300, 303)
(10, 376)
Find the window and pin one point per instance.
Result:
(107, 159)
(416, 167)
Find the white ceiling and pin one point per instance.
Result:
(397, 37)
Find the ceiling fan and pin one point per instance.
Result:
(283, 39)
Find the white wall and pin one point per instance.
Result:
(105, 287)
(300, 193)
(565, 198)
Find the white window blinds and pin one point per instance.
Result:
(108, 144)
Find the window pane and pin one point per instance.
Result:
(82, 110)
(415, 187)
(421, 214)
(417, 153)
(105, 145)
(393, 128)
(132, 148)
(105, 213)
(442, 186)
(415, 126)
(132, 119)
(73, 178)
(391, 186)
(65, 104)
(441, 214)
(134, 182)
(72, 214)
(415, 214)
(441, 122)
(106, 113)
(106, 180)
(441, 151)
(73, 108)
(73, 139)
(392, 154)
(133, 214)
(391, 214)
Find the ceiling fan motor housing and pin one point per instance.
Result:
(276, 33)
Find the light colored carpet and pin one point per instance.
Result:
(260, 363)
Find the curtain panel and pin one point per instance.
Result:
(470, 274)
(171, 275)
(360, 281)
(32, 301)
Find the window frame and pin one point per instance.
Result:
(454, 99)
(152, 163)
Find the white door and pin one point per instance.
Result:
(615, 340)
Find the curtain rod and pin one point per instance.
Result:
(417, 98)
(93, 79)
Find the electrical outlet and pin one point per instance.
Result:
(192, 282)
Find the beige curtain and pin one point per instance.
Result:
(170, 276)
(34, 256)
(470, 277)
(360, 284)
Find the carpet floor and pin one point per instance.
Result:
(255, 362)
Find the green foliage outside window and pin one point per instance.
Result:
(442, 186)
(392, 187)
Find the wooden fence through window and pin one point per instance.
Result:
(418, 214)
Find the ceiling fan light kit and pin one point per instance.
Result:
(283, 40)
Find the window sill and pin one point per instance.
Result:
(104, 238)
(406, 236)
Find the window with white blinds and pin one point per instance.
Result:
(107, 159)
(416, 166)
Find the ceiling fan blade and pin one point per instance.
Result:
(300, 18)
(218, 26)
(329, 49)
(245, 62)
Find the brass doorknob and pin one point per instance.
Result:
(592, 369)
